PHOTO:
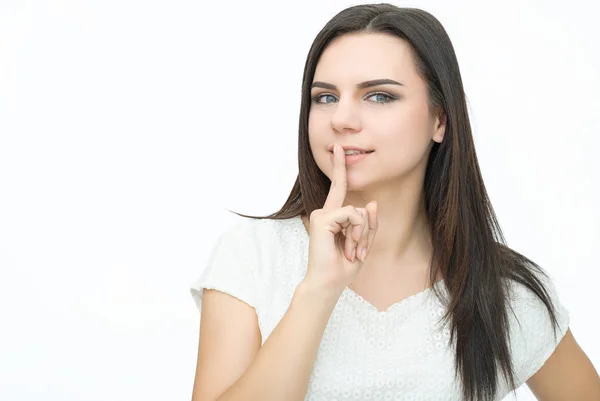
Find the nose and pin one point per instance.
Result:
(345, 117)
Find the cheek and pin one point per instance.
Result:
(316, 124)
(317, 137)
(312, 127)
(404, 139)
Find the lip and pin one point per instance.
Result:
(352, 159)
(350, 147)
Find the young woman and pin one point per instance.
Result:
(385, 275)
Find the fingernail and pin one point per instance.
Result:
(363, 254)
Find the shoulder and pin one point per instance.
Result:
(279, 246)
(252, 256)
(524, 300)
(267, 249)
(264, 234)
(533, 333)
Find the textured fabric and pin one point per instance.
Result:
(398, 354)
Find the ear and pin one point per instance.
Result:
(439, 125)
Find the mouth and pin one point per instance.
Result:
(355, 152)
(354, 157)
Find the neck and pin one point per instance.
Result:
(403, 236)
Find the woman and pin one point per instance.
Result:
(384, 275)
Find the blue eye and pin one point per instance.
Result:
(317, 98)
(382, 97)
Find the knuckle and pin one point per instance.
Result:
(348, 209)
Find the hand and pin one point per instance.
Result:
(340, 236)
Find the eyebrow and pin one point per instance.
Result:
(362, 85)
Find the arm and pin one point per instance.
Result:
(568, 374)
(231, 362)
(229, 340)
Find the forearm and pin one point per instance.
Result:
(282, 368)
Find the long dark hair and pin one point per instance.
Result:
(469, 249)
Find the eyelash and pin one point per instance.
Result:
(389, 97)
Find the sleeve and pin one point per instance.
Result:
(232, 266)
(532, 334)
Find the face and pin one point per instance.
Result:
(391, 118)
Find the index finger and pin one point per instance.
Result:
(337, 191)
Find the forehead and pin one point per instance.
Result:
(364, 56)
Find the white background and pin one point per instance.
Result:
(127, 127)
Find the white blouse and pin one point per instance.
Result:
(365, 354)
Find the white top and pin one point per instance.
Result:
(365, 354)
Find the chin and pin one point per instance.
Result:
(357, 182)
